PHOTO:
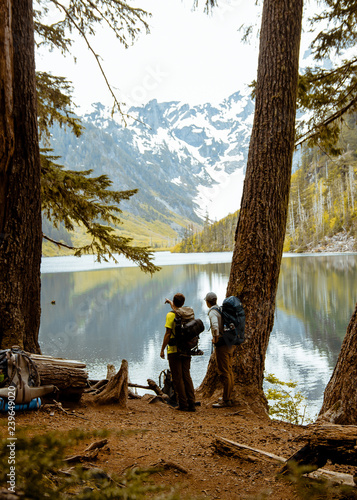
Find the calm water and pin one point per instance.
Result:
(102, 314)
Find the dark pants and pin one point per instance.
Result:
(181, 377)
(224, 356)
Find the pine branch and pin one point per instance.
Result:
(314, 132)
(82, 33)
(58, 243)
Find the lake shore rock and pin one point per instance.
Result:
(340, 242)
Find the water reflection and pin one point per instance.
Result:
(104, 316)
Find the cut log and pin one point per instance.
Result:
(68, 376)
(326, 442)
(58, 361)
(116, 390)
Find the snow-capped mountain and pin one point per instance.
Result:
(186, 160)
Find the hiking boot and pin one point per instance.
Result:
(222, 404)
(181, 408)
(220, 400)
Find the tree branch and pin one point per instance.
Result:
(58, 243)
(313, 132)
(82, 33)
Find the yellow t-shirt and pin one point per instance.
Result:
(170, 323)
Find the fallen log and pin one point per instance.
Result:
(336, 443)
(68, 376)
(222, 444)
(334, 477)
(116, 390)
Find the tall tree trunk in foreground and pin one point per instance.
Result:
(263, 214)
(20, 206)
(340, 397)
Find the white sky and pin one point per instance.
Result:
(188, 56)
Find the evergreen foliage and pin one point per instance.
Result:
(215, 237)
(328, 91)
(54, 105)
(74, 198)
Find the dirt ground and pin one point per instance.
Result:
(184, 440)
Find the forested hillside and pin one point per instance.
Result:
(323, 202)
(215, 237)
(323, 196)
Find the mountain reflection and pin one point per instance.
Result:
(104, 316)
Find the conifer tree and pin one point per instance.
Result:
(262, 220)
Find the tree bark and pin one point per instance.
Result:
(20, 204)
(69, 377)
(340, 397)
(263, 213)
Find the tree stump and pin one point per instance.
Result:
(116, 390)
(326, 442)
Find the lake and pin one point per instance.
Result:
(103, 314)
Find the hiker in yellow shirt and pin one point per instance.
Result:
(179, 363)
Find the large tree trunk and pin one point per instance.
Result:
(20, 205)
(263, 214)
(340, 397)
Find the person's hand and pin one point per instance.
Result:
(162, 354)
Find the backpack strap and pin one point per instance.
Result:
(217, 308)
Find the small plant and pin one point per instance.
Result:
(284, 403)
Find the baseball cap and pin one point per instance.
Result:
(210, 296)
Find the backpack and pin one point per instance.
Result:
(187, 330)
(233, 319)
(167, 385)
(19, 371)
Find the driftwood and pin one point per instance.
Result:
(170, 465)
(227, 446)
(98, 385)
(116, 390)
(154, 387)
(110, 371)
(97, 444)
(86, 457)
(336, 443)
(68, 376)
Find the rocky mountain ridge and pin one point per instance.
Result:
(178, 156)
